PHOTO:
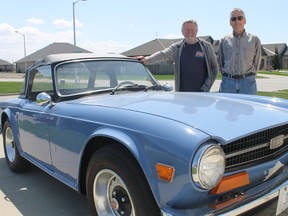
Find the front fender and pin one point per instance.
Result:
(137, 151)
(7, 114)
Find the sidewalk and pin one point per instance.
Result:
(12, 76)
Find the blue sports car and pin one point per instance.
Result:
(105, 127)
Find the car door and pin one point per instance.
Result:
(34, 119)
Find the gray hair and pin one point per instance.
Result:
(239, 10)
(189, 21)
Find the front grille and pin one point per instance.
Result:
(255, 147)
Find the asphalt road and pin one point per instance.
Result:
(35, 193)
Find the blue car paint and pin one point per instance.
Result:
(193, 109)
(107, 119)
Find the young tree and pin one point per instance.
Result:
(276, 60)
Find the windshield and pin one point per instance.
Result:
(95, 75)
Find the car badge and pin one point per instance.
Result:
(276, 142)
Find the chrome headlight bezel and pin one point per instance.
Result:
(208, 166)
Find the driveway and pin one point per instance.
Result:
(265, 83)
(35, 193)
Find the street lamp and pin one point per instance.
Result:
(74, 20)
(24, 47)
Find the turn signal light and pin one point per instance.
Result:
(165, 172)
(231, 182)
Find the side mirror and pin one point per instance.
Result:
(167, 87)
(43, 98)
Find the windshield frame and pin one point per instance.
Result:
(82, 77)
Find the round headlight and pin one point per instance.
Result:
(208, 166)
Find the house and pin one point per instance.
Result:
(146, 49)
(269, 51)
(54, 48)
(5, 66)
(285, 60)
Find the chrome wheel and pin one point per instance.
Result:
(13, 158)
(9, 144)
(116, 186)
(111, 196)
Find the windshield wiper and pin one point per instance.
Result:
(164, 87)
(154, 88)
(131, 86)
(128, 86)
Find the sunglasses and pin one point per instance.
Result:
(235, 18)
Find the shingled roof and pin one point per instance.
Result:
(54, 48)
(150, 47)
(4, 63)
(156, 45)
(269, 49)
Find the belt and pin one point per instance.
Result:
(238, 76)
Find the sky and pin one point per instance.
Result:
(119, 25)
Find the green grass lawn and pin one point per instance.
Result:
(15, 87)
(278, 73)
(10, 87)
(279, 94)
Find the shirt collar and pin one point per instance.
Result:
(243, 34)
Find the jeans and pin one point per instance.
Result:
(242, 86)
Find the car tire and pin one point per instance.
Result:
(13, 158)
(116, 186)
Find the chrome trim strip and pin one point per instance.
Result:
(247, 150)
(250, 149)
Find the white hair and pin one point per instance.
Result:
(239, 10)
(189, 21)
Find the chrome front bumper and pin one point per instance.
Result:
(252, 205)
(238, 210)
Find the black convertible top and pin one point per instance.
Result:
(54, 58)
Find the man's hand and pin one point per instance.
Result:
(141, 59)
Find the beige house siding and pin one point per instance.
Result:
(285, 62)
(5, 66)
(22, 66)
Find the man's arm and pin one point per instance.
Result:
(220, 56)
(257, 58)
(167, 54)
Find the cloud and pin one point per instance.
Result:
(61, 23)
(34, 20)
(12, 43)
(7, 34)
(5, 27)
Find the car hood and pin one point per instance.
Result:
(226, 116)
